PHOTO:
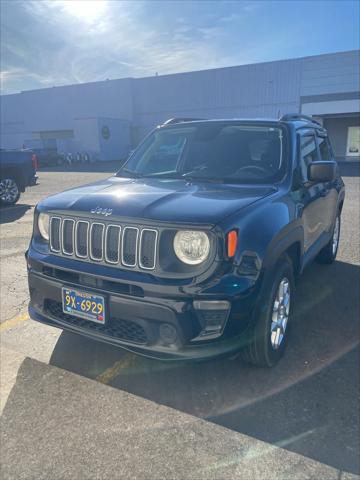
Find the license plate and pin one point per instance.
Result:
(84, 305)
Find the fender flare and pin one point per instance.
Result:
(290, 235)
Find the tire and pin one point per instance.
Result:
(267, 343)
(9, 191)
(328, 254)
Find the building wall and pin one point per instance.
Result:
(260, 90)
(330, 74)
(117, 145)
(56, 108)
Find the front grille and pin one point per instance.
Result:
(124, 245)
(115, 327)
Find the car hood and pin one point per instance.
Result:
(165, 200)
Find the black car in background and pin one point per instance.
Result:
(194, 247)
(17, 171)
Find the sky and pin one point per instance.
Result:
(51, 42)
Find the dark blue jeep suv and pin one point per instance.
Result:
(194, 247)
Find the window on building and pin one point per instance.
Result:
(353, 142)
(308, 153)
(324, 148)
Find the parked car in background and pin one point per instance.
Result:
(17, 171)
(194, 247)
(47, 157)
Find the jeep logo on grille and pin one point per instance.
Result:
(102, 211)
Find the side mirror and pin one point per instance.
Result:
(322, 171)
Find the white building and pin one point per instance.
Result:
(108, 118)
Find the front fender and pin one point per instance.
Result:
(265, 231)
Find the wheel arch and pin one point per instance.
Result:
(341, 204)
(289, 242)
(14, 173)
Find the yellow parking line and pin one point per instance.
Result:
(13, 321)
(112, 372)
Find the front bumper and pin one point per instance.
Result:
(136, 316)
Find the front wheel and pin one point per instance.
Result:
(9, 191)
(328, 254)
(271, 318)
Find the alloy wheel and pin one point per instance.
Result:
(280, 313)
(336, 236)
(9, 190)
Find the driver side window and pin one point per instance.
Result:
(308, 153)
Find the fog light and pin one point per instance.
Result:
(168, 333)
(212, 316)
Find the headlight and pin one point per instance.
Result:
(43, 224)
(191, 247)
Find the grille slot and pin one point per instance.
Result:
(148, 242)
(81, 239)
(68, 226)
(112, 243)
(125, 245)
(129, 246)
(55, 231)
(96, 241)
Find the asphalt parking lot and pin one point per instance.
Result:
(308, 404)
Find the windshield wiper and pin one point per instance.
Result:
(193, 178)
(186, 176)
(162, 175)
(191, 173)
(128, 173)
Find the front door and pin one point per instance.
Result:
(329, 192)
(310, 194)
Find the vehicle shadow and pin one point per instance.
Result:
(306, 404)
(101, 167)
(57, 425)
(12, 213)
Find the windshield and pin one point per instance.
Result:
(230, 152)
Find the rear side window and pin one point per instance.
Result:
(324, 148)
(308, 153)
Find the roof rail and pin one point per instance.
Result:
(298, 116)
(180, 120)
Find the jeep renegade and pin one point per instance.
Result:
(194, 247)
